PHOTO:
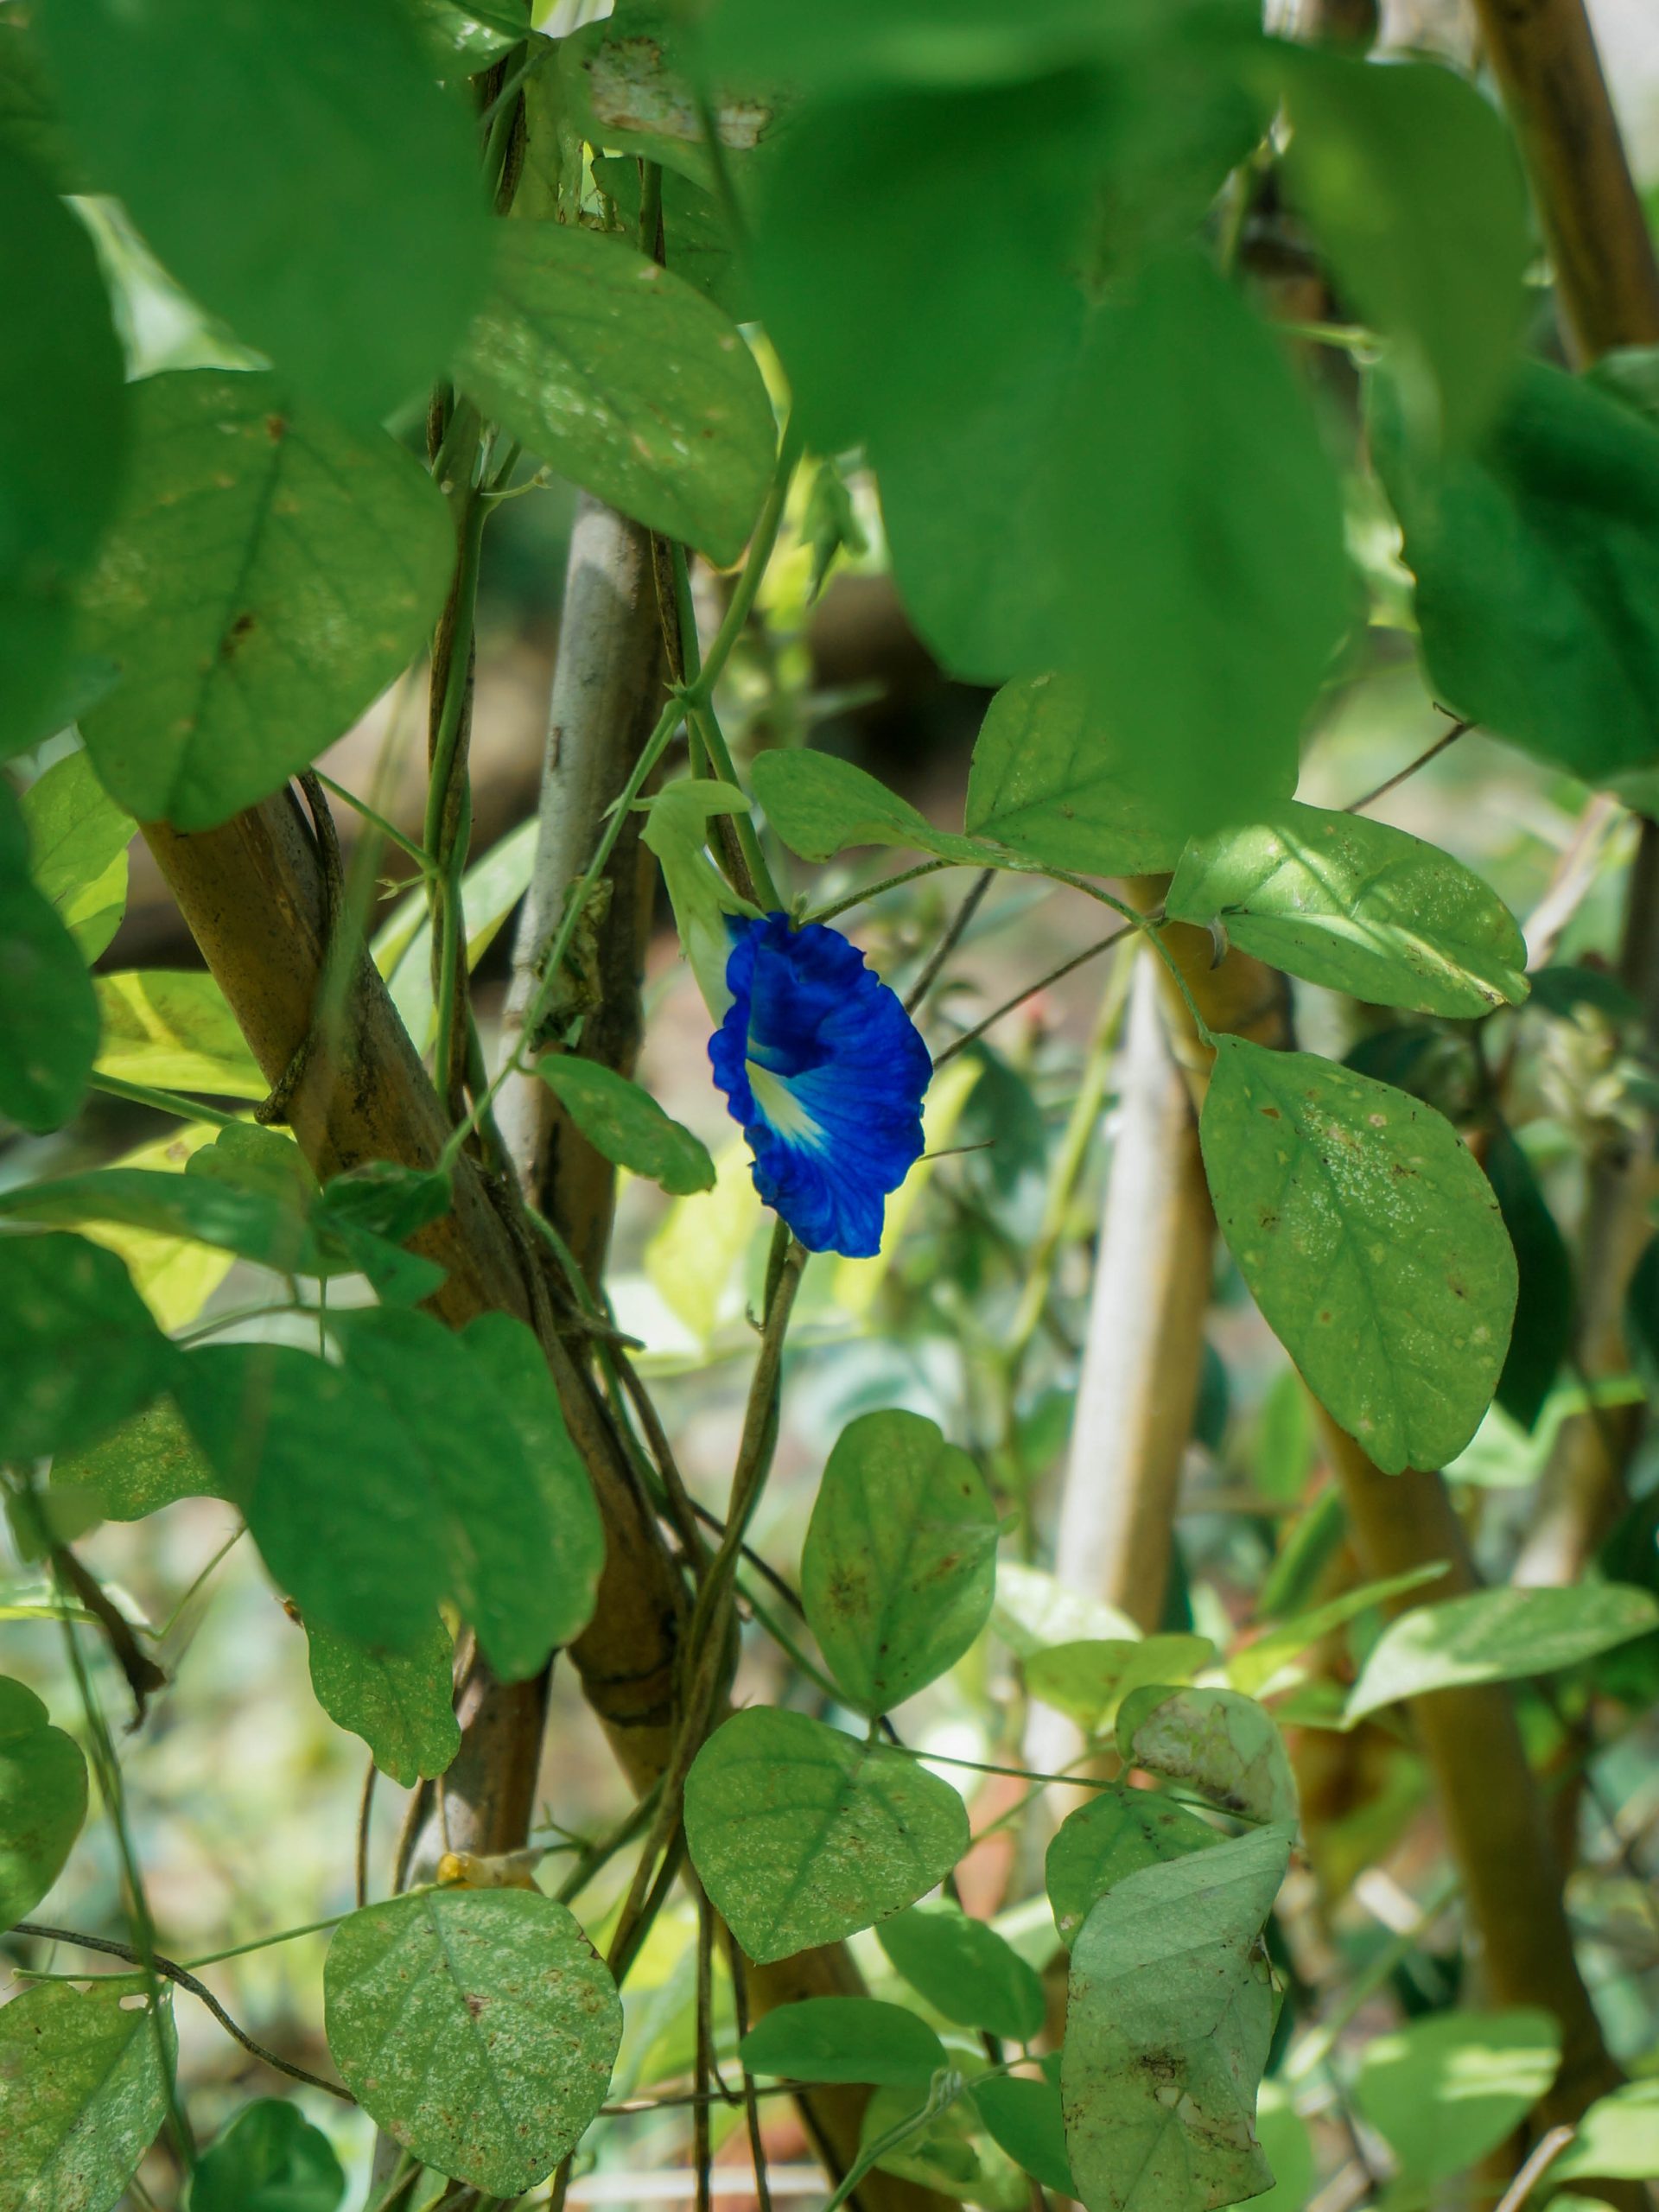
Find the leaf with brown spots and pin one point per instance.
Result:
(268, 573)
(898, 1570)
(478, 2027)
(568, 356)
(802, 1836)
(1169, 2018)
(1371, 1241)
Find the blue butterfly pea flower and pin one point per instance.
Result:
(825, 1071)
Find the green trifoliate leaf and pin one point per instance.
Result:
(624, 1123)
(478, 2027)
(1498, 1635)
(48, 1014)
(400, 1703)
(268, 573)
(1214, 1742)
(1359, 906)
(844, 2039)
(899, 1569)
(78, 1348)
(82, 2092)
(1168, 2024)
(63, 432)
(1443, 2092)
(965, 1970)
(1537, 565)
(78, 840)
(1372, 1243)
(1049, 780)
(802, 1835)
(269, 2159)
(345, 225)
(566, 354)
(43, 1799)
(1115, 1834)
(1412, 182)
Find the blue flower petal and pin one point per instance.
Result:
(825, 1071)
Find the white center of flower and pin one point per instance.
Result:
(782, 1109)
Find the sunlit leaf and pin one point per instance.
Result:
(173, 1029)
(1359, 906)
(478, 2027)
(82, 2092)
(1443, 2092)
(150, 1461)
(48, 1015)
(568, 354)
(1618, 2137)
(802, 1835)
(1371, 1241)
(1498, 1635)
(78, 840)
(1089, 1678)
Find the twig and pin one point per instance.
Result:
(1450, 737)
(1009, 1006)
(172, 1971)
(1544, 2153)
(751, 2103)
(144, 1676)
(365, 1809)
(951, 937)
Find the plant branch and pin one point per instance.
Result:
(170, 1970)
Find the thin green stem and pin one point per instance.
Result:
(265, 1942)
(164, 1102)
(447, 809)
(392, 835)
(712, 737)
(828, 913)
(108, 1769)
